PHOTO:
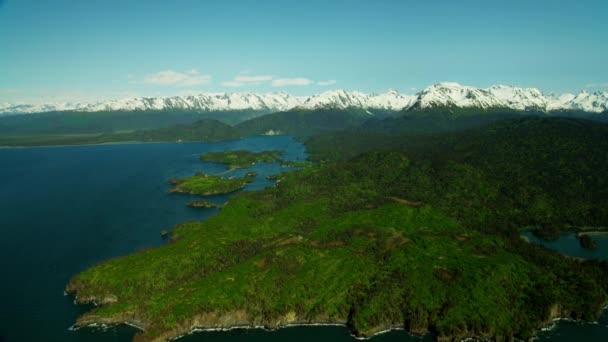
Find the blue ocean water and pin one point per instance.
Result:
(63, 209)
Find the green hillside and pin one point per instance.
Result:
(422, 235)
(305, 122)
(75, 122)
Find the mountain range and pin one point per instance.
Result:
(437, 95)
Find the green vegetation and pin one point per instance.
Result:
(305, 122)
(238, 159)
(419, 233)
(77, 122)
(207, 185)
(543, 173)
(202, 204)
(202, 130)
(73, 128)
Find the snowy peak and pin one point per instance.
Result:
(203, 102)
(341, 99)
(454, 94)
(440, 94)
(588, 102)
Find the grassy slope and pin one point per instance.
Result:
(453, 263)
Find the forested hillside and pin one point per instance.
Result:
(419, 233)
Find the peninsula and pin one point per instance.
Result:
(424, 238)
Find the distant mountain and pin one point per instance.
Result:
(507, 97)
(436, 95)
(341, 99)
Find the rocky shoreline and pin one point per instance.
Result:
(240, 319)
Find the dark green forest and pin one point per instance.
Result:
(419, 230)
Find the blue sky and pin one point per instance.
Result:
(83, 50)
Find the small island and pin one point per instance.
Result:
(206, 185)
(587, 242)
(202, 204)
(296, 163)
(240, 159)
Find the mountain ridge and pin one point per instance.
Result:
(436, 95)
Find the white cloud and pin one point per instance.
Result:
(248, 79)
(232, 84)
(282, 82)
(326, 83)
(245, 79)
(178, 79)
(241, 80)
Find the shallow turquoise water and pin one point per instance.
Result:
(62, 209)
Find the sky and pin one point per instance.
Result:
(62, 50)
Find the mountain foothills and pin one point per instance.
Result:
(403, 229)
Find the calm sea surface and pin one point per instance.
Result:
(63, 209)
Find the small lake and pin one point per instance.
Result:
(568, 244)
(63, 209)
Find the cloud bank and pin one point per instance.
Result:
(300, 81)
(178, 79)
(244, 79)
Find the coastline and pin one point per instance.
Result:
(239, 319)
(294, 325)
(195, 329)
(92, 144)
(593, 233)
(134, 142)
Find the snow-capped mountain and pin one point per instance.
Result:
(440, 94)
(454, 94)
(7, 108)
(206, 102)
(341, 99)
(585, 101)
